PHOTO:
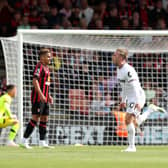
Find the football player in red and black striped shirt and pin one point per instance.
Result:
(40, 99)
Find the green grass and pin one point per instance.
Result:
(84, 157)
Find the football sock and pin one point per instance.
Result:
(13, 131)
(30, 127)
(131, 134)
(141, 118)
(42, 130)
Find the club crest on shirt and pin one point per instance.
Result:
(37, 72)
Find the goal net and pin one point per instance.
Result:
(84, 86)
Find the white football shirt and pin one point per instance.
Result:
(130, 85)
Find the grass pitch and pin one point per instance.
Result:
(84, 157)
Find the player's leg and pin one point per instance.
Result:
(13, 132)
(130, 123)
(43, 130)
(156, 108)
(43, 125)
(31, 125)
(140, 118)
(129, 120)
(6, 122)
(29, 130)
(151, 108)
(2, 122)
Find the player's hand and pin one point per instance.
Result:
(43, 98)
(122, 106)
(50, 100)
(137, 106)
(14, 116)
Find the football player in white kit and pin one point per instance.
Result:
(132, 95)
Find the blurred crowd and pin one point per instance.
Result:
(87, 80)
(2, 85)
(92, 74)
(82, 14)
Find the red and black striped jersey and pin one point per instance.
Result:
(42, 74)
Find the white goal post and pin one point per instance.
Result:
(84, 82)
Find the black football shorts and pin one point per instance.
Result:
(40, 108)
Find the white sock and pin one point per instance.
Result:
(42, 142)
(131, 134)
(141, 118)
(25, 140)
(10, 141)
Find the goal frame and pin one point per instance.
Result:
(22, 32)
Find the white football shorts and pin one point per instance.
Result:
(131, 102)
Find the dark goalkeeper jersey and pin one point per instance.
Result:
(42, 74)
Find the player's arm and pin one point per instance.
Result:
(36, 76)
(7, 109)
(134, 83)
(136, 94)
(122, 100)
(38, 89)
(123, 96)
(50, 99)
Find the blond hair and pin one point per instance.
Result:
(123, 52)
